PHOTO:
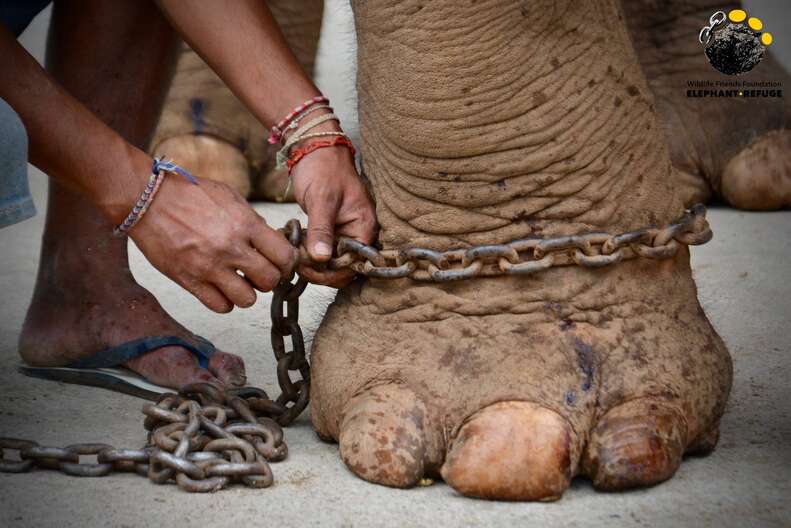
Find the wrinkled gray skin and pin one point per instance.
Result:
(481, 122)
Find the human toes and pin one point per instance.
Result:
(383, 436)
(512, 450)
(637, 443)
(172, 367)
(228, 368)
(759, 177)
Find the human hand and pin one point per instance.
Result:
(200, 235)
(328, 188)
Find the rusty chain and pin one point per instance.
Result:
(205, 439)
(524, 256)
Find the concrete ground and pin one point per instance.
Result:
(745, 288)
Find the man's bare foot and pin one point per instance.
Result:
(736, 148)
(82, 306)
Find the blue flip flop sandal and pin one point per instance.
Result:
(104, 369)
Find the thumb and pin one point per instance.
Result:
(321, 228)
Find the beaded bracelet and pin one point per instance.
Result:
(297, 136)
(294, 124)
(277, 130)
(159, 169)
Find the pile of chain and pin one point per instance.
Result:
(524, 256)
(202, 438)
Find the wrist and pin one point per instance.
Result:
(126, 182)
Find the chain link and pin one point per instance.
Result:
(204, 439)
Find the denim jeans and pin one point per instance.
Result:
(16, 203)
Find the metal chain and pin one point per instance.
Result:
(284, 312)
(204, 439)
(524, 256)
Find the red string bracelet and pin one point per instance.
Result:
(298, 153)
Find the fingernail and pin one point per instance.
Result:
(322, 248)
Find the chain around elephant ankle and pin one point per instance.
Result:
(523, 256)
(159, 170)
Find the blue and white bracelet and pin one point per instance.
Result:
(159, 169)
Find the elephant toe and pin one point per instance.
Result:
(512, 451)
(382, 436)
(638, 443)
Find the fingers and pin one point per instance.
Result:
(321, 229)
(211, 297)
(364, 226)
(238, 290)
(274, 247)
(332, 278)
(261, 273)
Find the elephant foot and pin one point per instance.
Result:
(759, 176)
(736, 148)
(271, 184)
(208, 157)
(216, 159)
(509, 389)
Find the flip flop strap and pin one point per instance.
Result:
(117, 356)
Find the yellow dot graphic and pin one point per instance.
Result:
(755, 24)
(766, 39)
(737, 15)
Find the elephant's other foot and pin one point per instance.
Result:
(737, 147)
(208, 157)
(759, 176)
(512, 451)
(271, 184)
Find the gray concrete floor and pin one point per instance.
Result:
(745, 287)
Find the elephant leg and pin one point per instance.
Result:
(209, 131)
(735, 148)
(515, 120)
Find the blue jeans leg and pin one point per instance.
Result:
(16, 204)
